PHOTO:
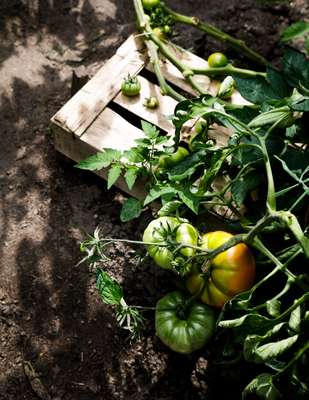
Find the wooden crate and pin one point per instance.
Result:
(98, 116)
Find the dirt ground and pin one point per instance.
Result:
(49, 312)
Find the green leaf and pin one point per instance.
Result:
(189, 199)
(131, 209)
(295, 30)
(217, 161)
(275, 349)
(169, 208)
(256, 90)
(244, 185)
(134, 155)
(100, 160)
(253, 341)
(295, 319)
(109, 290)
(113, 175)
(185, 168)
(273, 307)
(263, 387)
(130, 176)
(296, 67)
(249, 323)
(158, 191)
(278, 82)
(150, 130)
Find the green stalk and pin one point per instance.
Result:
(294, 226)
(264, 250)
(271, 193)
(166, 89)
(228, 70)
(184, 69)
(216, 33)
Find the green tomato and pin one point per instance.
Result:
(130, 86)
(182, 325)
(217, 60)
(151, 103)
(169, 231)
(149, 4)
(159, 33)
(169, 160)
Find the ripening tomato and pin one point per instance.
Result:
(217, 60)
(230, 272)
(184, 325)
(166, 233)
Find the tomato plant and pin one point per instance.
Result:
(167, 233)
(130, 86)
(266, 152)
(229, 273)
(217, 60)
(182, 324)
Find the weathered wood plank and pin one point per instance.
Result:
(110, 130)
(80, 111)
(77, 149)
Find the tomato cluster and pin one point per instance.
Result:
(182, 323)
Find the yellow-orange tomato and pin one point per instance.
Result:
(231, 272)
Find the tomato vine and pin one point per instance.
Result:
(257, 183)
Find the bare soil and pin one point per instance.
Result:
(50, 314)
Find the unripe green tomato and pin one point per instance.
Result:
(151, 103)
(149, 4)
(158, 32)
(166, 161)
(217, 60)
(165, 230)
(166, 29)
(182, 325)
(130, 86)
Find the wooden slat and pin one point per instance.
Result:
(80, 111)
(159, 116)
(79, 148)
(110, 130)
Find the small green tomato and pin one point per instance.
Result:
(149, 4)
(217, 60)
(151, 102)
(130, 86)
(159, 33)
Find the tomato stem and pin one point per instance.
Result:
(217, 34)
